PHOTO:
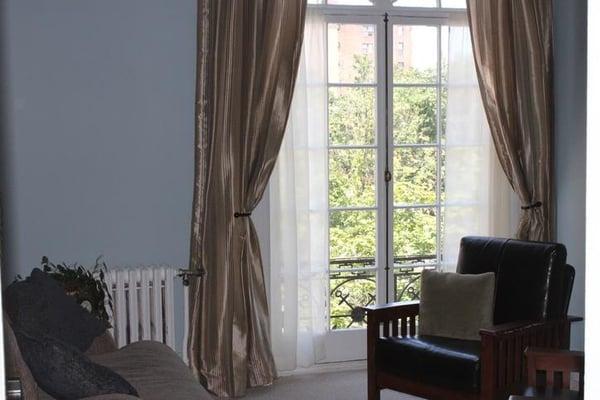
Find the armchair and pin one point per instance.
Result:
(533, 289)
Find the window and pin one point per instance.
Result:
(386, 113)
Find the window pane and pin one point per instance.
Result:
(350, 2)
(445, 48)
(414, 234)
(351, 235)
(352, 115)
(415, 175)
(349, 291)
(407, 283)
(415, 54)
(454, 3)
(352, 178)
(415, 3)
(351, 53)
(415, 115)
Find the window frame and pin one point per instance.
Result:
(384, 145)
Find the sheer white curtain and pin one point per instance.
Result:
(478, 198)
(299, 215)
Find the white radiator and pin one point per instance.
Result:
(144, 305)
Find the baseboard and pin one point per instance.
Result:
(327, 367)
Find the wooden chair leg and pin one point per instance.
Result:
(373, 390)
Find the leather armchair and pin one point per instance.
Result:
(533, 290)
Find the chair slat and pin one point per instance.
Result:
(386, 329)
(403, 326)
(502, 363)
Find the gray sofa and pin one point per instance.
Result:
(156, 371)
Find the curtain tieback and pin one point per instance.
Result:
(242, 214)
(537, 204)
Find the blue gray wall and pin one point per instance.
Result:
(97, 132)
(570, 48)
(100, 143)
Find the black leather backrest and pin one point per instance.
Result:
(531, 277)
(569, 282)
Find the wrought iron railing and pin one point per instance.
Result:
(353, 286)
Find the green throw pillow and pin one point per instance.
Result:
(456, 305)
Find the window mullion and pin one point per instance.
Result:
(438, 183)
(383, 163)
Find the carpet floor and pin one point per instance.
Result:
(345, 385)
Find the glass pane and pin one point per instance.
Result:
(350, 2)
(442, 198)
(454, 3)
(352, 178)
(415, 3)
(349, 291)
(415, 54)
(351, 53)
(407, 283)
(415, 175)
(351, 235)
(414, 235)
(445, 48)
(415, 115)
(443, 114)
(352, 115)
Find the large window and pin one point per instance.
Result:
(386, 113)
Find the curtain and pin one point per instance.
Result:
(247, 59)
(478, 198)
(299, 215)
(512, 45)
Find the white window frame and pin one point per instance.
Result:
(347, 344)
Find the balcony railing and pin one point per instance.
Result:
(353, 286)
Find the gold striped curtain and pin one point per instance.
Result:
(248, 56)
(512, 45)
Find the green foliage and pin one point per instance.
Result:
(352, 121)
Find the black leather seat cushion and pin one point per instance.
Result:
(434, 360)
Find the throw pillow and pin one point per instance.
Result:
(456, 305)
(39, 306)
(65, 373)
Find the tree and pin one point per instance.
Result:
(352, 121)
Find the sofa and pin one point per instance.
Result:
(153, 369)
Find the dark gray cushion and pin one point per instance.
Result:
(40, 307)
(456, 305)
(65, 373)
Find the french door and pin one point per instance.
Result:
(386, 113)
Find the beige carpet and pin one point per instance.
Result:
(347, 385)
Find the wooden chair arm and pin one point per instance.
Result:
(556, 354)
(517, 327)
(509, 328)
(391, 311)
